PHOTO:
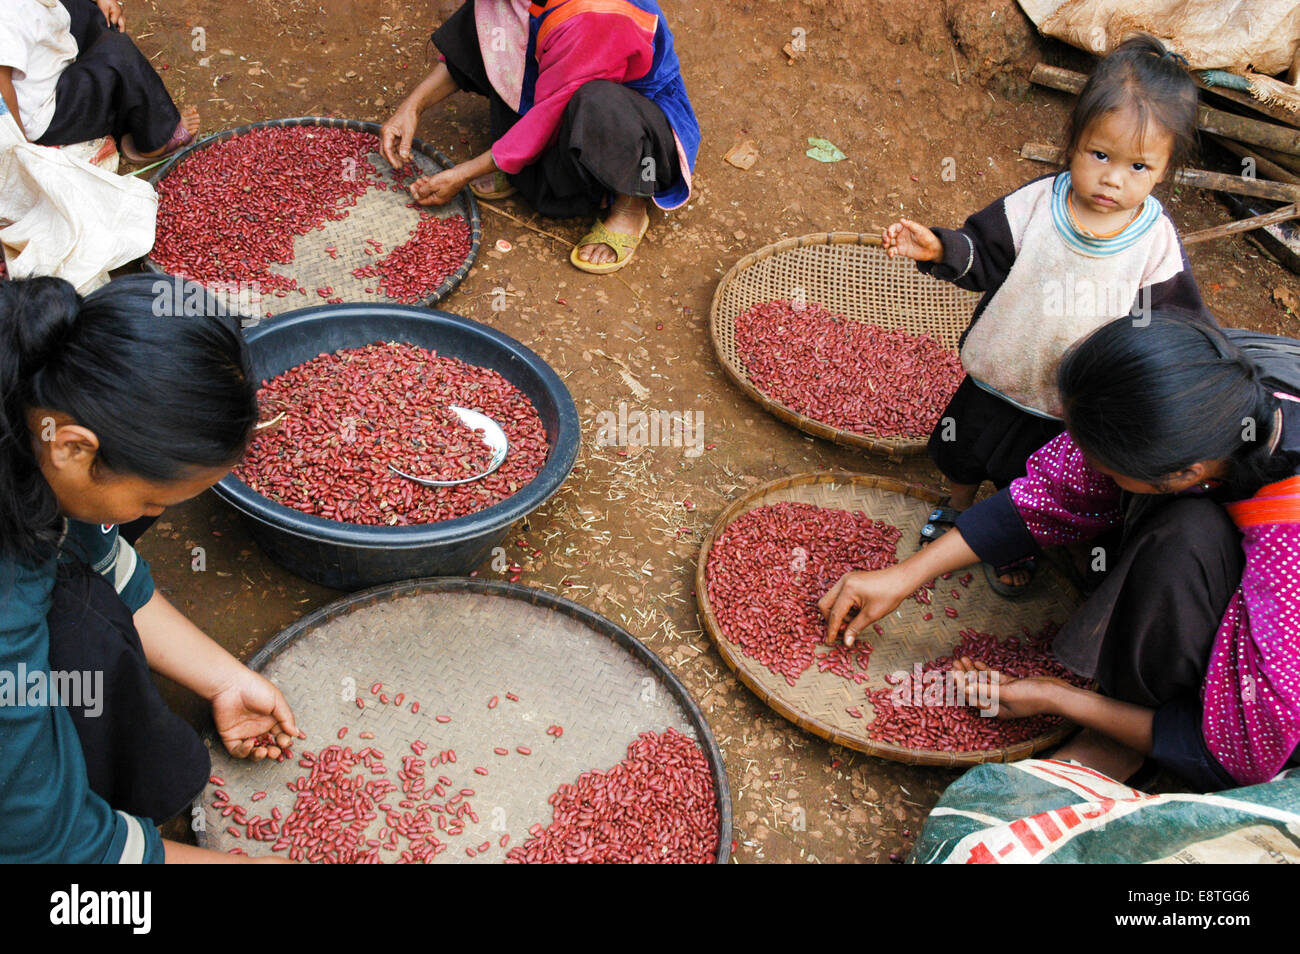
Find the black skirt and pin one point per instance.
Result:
(109, 90)
(608, 137)
(141, 757)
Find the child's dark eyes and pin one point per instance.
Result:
(1099, 155)
(1139, 167)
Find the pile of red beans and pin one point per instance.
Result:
(657, 806)
(850, 375)
(416, 269)
(928, 713)
(348, 415)
(232, 210)
(770, 566)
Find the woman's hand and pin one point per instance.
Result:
(395, 136)
(913, 240)
(873, 593)
(247, 707)
(112, 11)
(1006, 697)
(439, 189)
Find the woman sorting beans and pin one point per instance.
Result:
(1174, 440)
(109, 414)
(588, 114)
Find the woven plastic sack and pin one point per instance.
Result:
(1044, 811)
(1262, 35)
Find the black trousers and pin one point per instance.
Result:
(991, 439)
(1146, 633)
(109, 90)
(140, 756)
(612, 140)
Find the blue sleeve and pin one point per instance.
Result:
(114, 559)
(48, 812)
(994, 529)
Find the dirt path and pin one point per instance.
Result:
(875, 80)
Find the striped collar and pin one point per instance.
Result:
(1090, 244)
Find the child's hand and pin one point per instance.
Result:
(112, 11)
(912, 239)
(438, 189)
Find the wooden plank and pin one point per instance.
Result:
(1242, 128)
(1265, 167)
(1284, 214)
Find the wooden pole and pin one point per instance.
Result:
(1284, 214)
(1242, 128)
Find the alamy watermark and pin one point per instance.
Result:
(624, 428)
(77, 689)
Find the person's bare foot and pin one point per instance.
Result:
(626, 216)
(190, 122)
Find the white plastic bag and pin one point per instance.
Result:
(64, 217)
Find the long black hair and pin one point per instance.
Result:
(165, 386)
(1149, 401)
(1143, 74)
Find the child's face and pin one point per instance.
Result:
(1118, 163)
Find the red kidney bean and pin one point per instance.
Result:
(216, 780)
(947, 724)
(492, 703)
(415, 707)
(770, 566)
(523, 750)
(350, 414)
(853, 376)
(416, 269)
(443, 718)
(233, 209)
(512, 697)
(658, 805)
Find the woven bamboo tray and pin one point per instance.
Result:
(851, 275)
(451, 644)
(818, 700)
(379, 214)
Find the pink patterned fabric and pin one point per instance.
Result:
(503, 41)
(1062, 498)
(1251, 693)
(1252, 688)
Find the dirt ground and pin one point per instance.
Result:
(878, 80)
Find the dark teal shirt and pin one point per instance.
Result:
(48, 812)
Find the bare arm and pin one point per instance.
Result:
(395, 135)
(11, 96)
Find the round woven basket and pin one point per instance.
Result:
(451, 644)
(379, 214)
(818, 701)
(851, 275)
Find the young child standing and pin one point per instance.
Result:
(68, 74)
(1056, 259)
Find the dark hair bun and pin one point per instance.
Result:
(37, 315)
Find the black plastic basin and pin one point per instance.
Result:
(350, 556)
